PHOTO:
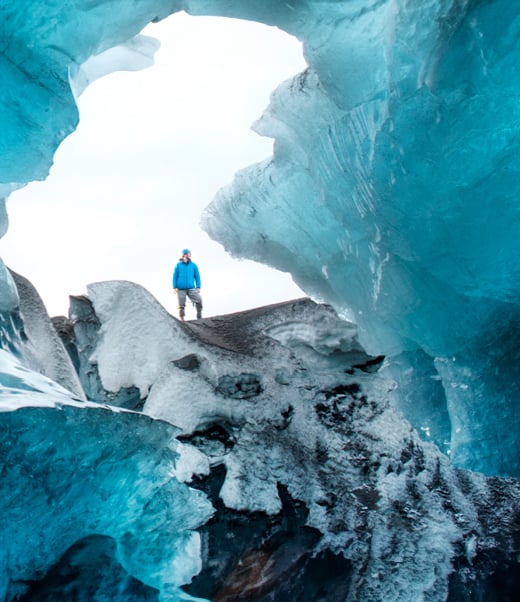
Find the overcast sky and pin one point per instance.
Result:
(127, 188)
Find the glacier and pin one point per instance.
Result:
(427, 272)
(250, 456)
(392, 195)
(374, 430)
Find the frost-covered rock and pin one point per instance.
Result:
(287, 425)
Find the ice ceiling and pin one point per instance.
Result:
(392, 193)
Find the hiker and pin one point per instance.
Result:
(186, 281)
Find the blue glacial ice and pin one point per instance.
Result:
(287, 425)
(274, 423)
(392, 190)
(72, 469)
(392, 195)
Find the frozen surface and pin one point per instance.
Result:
(74, 469)
(40, 348)
(285, 398)
(286, 406)
(393, 188)
(392, 194)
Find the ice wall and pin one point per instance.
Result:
(322, 490)
(393, 194)
(393, 188)
(71, 470)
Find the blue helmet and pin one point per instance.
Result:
(185, 251)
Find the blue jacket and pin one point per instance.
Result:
(186, 275)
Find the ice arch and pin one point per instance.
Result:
(393, 191)
(170, 137)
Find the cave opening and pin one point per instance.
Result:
(152, 148)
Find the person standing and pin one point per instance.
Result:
(186, 282)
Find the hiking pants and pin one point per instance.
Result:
(194, 296)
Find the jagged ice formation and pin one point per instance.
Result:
(392, 190)
(392, 194)
(320, 489)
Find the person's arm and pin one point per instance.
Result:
(175, 277)
(197, 277)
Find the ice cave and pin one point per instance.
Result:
(359, 444)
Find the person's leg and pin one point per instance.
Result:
(181, 297)
(194, 295)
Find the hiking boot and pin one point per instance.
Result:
(199, 311)
(181, 314)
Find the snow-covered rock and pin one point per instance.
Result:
(286, 420)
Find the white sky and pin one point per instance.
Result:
(127, 188)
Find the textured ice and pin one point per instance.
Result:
(392, 191)
(392, 194)
(285, 399)
(40, 348)
(74, 469)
